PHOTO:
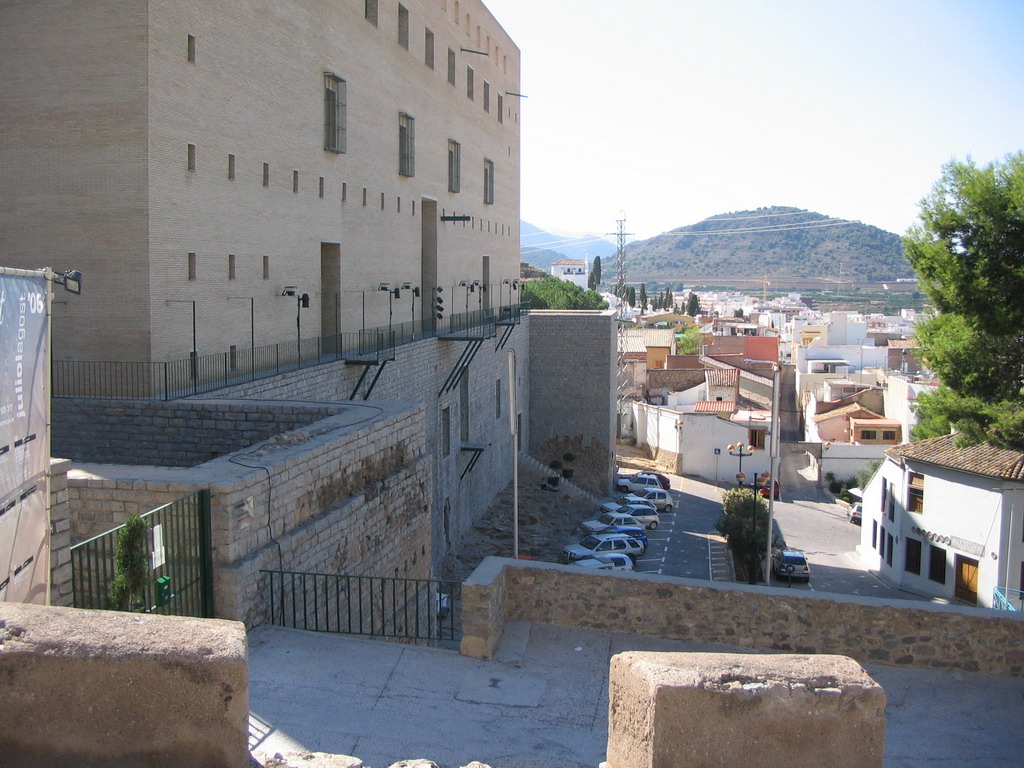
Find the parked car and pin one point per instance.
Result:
(636, 531)
(638, 483)
(601, 544)
(633, 498)
(662, 480)
(763, 490)
(645, 515)
(855, 513)
(788, 563)
(660, 498)
(613, 561)
(607, 520)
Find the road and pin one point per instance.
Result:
(685, 543)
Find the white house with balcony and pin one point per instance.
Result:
(572, 271)
(948, 522)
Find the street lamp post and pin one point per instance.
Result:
(741, 451)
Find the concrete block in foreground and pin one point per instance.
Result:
(100, 688)
(705, 710)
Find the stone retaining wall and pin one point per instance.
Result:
(180, 433)
(869, 630)
(347, 494)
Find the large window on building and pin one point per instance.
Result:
(334, 112)
(454, 166)
(912, 556)
(915, 492)
(406, 144)
(489, 182)
(936, 564)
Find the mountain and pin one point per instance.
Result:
(776, 241)
(542, 249)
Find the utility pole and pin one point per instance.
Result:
(620, 259)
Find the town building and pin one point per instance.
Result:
(948, 522)
(573, 271)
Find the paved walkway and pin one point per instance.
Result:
(543, 702)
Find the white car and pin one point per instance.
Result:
(602, 544)
(642, 515)
(638, 483)
(610, 519)
(632, 498)
(661, 499)
(612, 561)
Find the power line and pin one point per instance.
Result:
(747, 230)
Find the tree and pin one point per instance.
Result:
(744, 524)
(688, 342)
(738, 312)
(643, 297)
(131, 566)
(552, 293)
(692, 305)
(595, 274)
(968, 251)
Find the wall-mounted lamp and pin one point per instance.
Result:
(289, 290)
(463, 283)
(71, 279)
(384, 287)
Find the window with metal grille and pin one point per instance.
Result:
(454, 166)
(912, 556)
(334, 112)
(370, 11)
(406, 144)
(936, 564)
(488, 182)
(428, 48)
(403, 26)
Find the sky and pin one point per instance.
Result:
(665, 112)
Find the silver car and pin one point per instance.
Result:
(644, 515)
(603, 543)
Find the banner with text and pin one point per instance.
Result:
(24, 528)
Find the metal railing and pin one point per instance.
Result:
(177, 547)
(1006, 599)
(392, 608)
(205, 373)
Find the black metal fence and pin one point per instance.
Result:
(180, 557)
(423, 610)
(205, 373)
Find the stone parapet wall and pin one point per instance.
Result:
(178, 433)
(347, 494)
(92, 688)
(866, 629)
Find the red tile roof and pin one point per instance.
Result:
(714, 406)
(981, 459)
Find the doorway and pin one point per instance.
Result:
(966, 570)
(330, 296)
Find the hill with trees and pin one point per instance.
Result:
(778, 241)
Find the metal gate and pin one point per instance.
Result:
(179, 554)
(393, 608)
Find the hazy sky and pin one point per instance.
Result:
(674, 110)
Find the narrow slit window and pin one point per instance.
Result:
(454, 165)
(266, 267)
(191, 157)
(231, 167)
(488, 182)
(266, 174)
(191, 266)
(321, 186)
(451, 67)
(231, 266)
(428, 48)
(487, 96)
(295, 181)
(190, 49)
(469, 83)
(403, 26)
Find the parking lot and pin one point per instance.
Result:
(686, 543)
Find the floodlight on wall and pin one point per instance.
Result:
(71, 279)
(289, 290)
(463, 283)
(407, 285)
(384, 287)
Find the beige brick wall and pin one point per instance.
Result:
(101, 103)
